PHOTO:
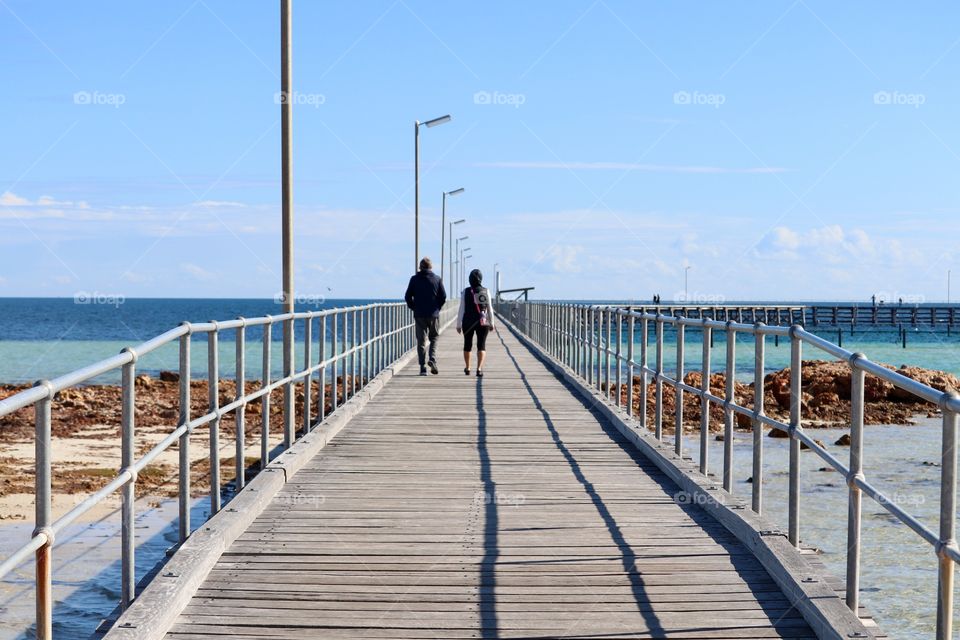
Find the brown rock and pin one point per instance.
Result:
(843, 441)
(143, 380)
(778, 433)
(169, 376)
(825, 399)
(744, 422)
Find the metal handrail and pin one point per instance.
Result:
(589, 339)
(364, 340)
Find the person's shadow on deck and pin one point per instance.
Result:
(746, 568)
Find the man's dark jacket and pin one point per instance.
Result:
(425, 294)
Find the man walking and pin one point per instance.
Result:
(426, 296)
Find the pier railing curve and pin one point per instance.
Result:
(363, 341)
(590, 341)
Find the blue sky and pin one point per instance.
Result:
(780, 149)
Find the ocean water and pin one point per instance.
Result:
(43, 338)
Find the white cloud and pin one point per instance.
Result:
(565, 258)
(624, 166)
(830, 244)
(197, 272)
(9, 199)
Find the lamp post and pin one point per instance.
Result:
(463, 271)
(286, 197)
(416, 183)
(686, 290)
(465, 258)
(455, 274)
(453, 278)
(496, 280)
(443, 223)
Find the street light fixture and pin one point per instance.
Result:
(463, 273)
(443, 223)
(416, 183)
(686, 290)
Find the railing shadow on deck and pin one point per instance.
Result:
(741, 561)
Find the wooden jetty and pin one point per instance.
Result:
(502, 507)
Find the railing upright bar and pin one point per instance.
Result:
(369, 343)
(128, 579)
(948, 520)
(855, 495)
(213, 388)
(678, 412)
(705, 403)
(619, 357)
(599, 349)
(728, 417)
(239, 415)
(183, 497)
(322, 390)
(644, 337)
(658, 383)
(630, 366)
(42, 504)
(608, 349)
(265, 400)
(758, 366)
(308, 380)
(288, 395)
(588, 345)
(334, 354)
(354, 353)
(796, 397)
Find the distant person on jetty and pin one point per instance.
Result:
(426, 296)
(475, 318)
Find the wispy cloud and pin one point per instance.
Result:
(624, 166)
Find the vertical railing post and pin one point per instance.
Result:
(608, 350)
(758, 366)
(599, 348)
(288, 394)
(239, 415)
(948, 517)
(183, 489)
(213, 388)
(644, 337)
(796, 398)
(619, 357)
(308, 379)
(857, 377)
(322, 391)
(630, 365)
(345, 360)
(705, 403)
(43, 505)
(128, 580)
(678, 412)
(368, 340)
(730, 398)
(354, 353)
(265, 399)
(658, 382)
(588, 345)
(334, 354)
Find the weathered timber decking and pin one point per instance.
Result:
(458, 508)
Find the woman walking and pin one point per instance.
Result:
(475, 318)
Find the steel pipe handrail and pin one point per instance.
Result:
(358, 352)
(581, 337)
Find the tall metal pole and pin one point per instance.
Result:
(452, 279)
(416, 195)
(443, 227)
(286, 126)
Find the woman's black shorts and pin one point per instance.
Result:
(481, 338)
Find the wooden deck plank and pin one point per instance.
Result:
(458, 508)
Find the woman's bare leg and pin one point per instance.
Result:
(481, 356)
(466, 359)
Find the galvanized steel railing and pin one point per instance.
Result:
(590, 340)
(364, 340)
